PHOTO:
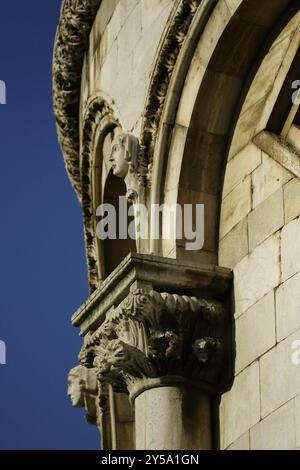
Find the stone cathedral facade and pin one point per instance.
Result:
(186, 102)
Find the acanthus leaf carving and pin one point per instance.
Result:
(151, 335)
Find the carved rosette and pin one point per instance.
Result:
(153, 335)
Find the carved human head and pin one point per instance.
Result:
(124, 153)
(76, 386)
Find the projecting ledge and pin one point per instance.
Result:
(151, 272)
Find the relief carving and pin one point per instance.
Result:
(83, 390)
(152, 335)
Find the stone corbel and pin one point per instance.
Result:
(154, 338)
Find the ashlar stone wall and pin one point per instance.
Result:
(260, 241)
(123, 45)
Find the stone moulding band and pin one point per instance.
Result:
(175, 35)
(71, 43)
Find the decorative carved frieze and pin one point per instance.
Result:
(152, 335)
(71, 43)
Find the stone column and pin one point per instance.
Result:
(169, 352)
(174, 418)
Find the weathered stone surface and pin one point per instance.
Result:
(242, 443)
(291, 193)
(235, 206)
(169, 417)
(239, 167)
(266, 219)
(280, 378)
(136, 269)
(276, 432)
(290, 256)
(297, 420)
(70, 46)
(257, 274)
(294, 137)
(255, 332)
(240, 407)
(268, 178)
(280, 151)
(234, 246)
(288, 307)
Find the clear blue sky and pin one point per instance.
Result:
(43, 270)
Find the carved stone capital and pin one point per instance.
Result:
(152, 337)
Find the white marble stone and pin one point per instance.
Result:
(288, 307)
(255, 332)
(239, 167)
(265, 219)
(268, 178)
(240, 407)
(242, 443)
(257, 274)
(291, 193)
(279, 377)
(235, 206)
(234, 246)
(290, 254)
(276, 432)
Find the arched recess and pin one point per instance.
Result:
(217, 63)
(100, 126)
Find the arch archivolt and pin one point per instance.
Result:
(215, 106)
(100, 118)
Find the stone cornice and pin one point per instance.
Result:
(205, 280)
(71, 44)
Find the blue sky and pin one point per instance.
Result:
(43, 269)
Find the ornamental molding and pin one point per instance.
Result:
(98, 112)
(175, 36)
(154, 336)
(71, 43)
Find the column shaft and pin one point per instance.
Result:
(173, 418)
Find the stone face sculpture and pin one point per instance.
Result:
(124, 155)
(76, 386)
(83, 391)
